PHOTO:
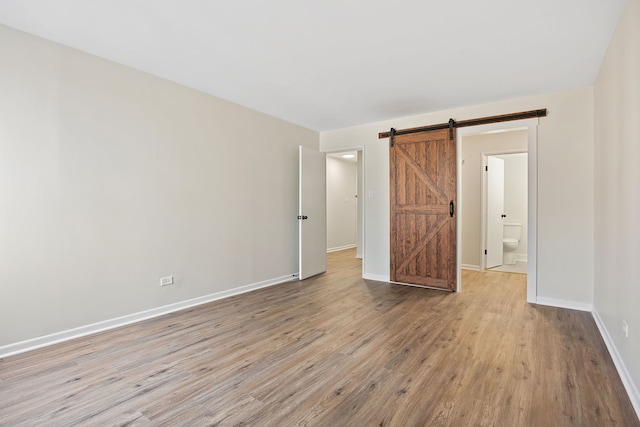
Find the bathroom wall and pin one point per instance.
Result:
(515, 196)
(473, 149)
(341, 203)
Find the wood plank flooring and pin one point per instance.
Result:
(333, 350)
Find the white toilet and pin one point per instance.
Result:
(512, 232)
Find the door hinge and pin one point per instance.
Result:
(485, 251)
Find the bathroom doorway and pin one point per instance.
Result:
(504, 212)
(474, 143)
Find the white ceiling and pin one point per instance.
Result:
(328, 64)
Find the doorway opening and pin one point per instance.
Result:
(345, 210)
(504, 212)
(475, 145)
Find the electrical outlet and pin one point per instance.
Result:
(165, 281)
(625, 329)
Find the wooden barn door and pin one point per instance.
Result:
(423, 211)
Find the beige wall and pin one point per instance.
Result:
(473, 147)
(341, 203)
(565, 188)
(111, 178)
(617, 195)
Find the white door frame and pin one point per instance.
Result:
(361, 186)
(531, 125)
(483, 201)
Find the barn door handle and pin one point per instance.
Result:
(451, 209)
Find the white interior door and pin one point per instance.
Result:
(312, 212)
(495, 210)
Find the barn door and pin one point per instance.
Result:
(423, 211)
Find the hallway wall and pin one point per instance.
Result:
(341, 203)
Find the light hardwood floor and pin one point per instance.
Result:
(333, 350)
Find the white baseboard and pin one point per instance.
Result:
(521, 257)
(35, 343)
(564, 304)
(340, 248)
(470, 267)
(376, 277)
(627, 381)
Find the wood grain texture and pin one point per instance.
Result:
(333, 350)
(422, 170)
